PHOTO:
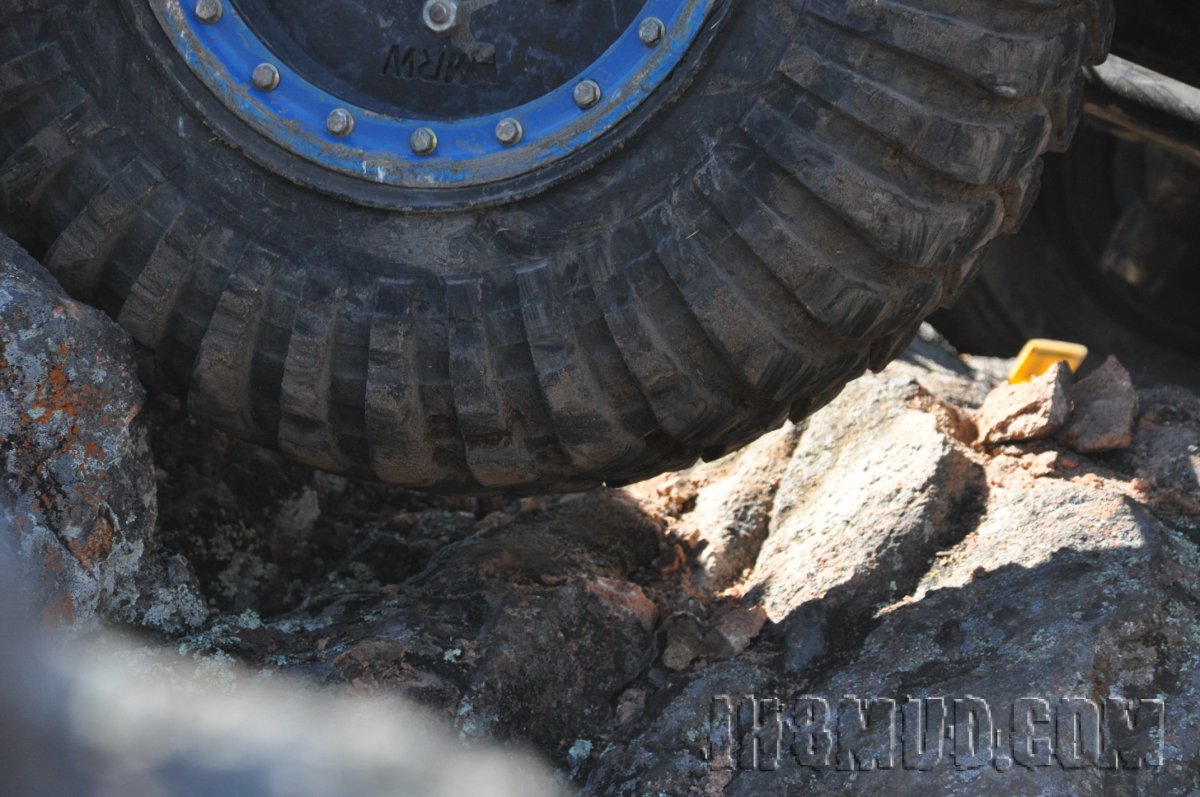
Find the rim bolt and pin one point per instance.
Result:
(440, 15)
(424, 141)
(587, 93)
(265, 77)
(651, 31)
(209, 11)
(340, 122)
(509, 131)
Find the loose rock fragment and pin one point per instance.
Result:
(631, 703)
(624, 596)
(1028, 411)
(685, 636)
(1105, 404)
(734, 631)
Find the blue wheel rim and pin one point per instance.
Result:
(224, 54)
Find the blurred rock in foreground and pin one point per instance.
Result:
(100, 719)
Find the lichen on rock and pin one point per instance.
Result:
(78, 499)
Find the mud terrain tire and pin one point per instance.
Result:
(823, 176)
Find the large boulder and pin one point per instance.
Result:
(78, 499)
(1053, 613)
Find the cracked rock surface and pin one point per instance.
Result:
(880, 549)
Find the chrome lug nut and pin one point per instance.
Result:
(440, 16)
(587, 93)
(209, 11)
(424, 141)
(340, 122)
(509, 131)
(651, 31)
(265, 77)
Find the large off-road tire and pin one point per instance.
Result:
(809, 182)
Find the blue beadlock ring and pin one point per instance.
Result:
(225, 53)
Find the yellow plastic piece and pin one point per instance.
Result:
(1040, 355)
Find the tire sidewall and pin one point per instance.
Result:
(142, 86)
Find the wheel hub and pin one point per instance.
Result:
(433, 93)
